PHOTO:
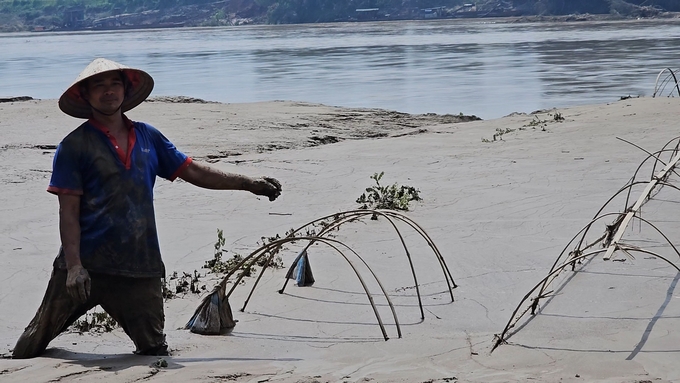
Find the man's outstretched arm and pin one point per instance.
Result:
(210, 178)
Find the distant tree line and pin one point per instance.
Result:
(312, 11)
(46, 12)
(566, 7)
(52, 12)
(35, 8)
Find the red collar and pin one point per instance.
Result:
(128, 123)
(125, 158)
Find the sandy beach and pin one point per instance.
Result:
(500, 211)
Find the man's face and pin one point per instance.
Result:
(105, 92)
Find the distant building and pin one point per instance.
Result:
(432, 13)
(74, 17)
(466, 10)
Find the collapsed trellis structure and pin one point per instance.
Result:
(611, 239)
(670, 80)
(213, 316)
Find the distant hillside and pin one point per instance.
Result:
(22, 15)
(18, 15)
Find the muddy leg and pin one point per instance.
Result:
(57, 311)
(137, 305)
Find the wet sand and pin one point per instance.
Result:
(500, 212)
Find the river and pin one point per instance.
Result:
(480, 67)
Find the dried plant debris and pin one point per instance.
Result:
(94, 321)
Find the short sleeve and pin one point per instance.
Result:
(67, 176)
(171, 162)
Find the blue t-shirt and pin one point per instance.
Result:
(117, 221)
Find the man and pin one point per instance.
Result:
(103, 174)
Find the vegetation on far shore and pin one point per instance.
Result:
(23, 15)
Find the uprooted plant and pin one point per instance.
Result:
(390, 197)
(224, 265)
(498, 136)
(543, 124)
(182, 284)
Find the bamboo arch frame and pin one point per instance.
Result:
(269, 250)
(256, 255)
(629, 187)
(504, 335)
(610, 239)
(659, 88)
(350, 215)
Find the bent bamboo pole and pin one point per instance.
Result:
(614, 233)
(501, 338)
(383, 212)
(657, 157)
(574, 253)
(579, 250)
(254, 256)
(262, 251)
(663, 149)
(340, 221)
(348, 216)
(329, 242)
(656, 83)
(504, 335)
(632, 182)
(634, 209)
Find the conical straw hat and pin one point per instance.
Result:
(73, 104)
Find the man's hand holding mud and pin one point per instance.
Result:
(266, 186)
(78, 283)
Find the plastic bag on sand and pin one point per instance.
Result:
(301, 270)
(213, 316)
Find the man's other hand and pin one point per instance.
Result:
(78, 283)
(267, 186)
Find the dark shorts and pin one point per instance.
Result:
(135, 303)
